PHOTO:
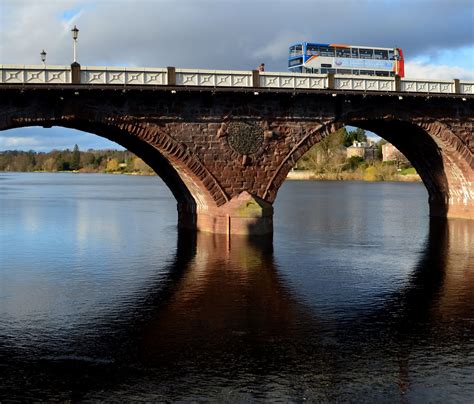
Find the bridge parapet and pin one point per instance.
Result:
(214, 78)
(364, 83)
(130, 76)
(16, 74)
(123, 76)
(431, 86)
(294, 81)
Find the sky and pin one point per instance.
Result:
(437, 37)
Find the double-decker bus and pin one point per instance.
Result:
(306, 57)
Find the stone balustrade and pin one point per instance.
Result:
(130, 76)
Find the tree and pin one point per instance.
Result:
(326, 156)
(112, 165)
(138, 165)
(352, 163)
(354, 135)
(380, 143)
(49, 164)
(76, 158)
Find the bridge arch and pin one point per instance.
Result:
(435, 147)
(145, 151)
(193, 186)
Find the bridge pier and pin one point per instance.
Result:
(243, 215)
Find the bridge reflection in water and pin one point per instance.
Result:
(231, 324)
(227, 326)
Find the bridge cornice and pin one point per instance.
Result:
(259, 91)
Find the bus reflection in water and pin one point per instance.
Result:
(306, 57)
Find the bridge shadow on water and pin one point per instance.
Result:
(226, 326)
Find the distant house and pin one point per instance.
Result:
(391, 153)
(366, 150)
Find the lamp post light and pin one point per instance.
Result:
(75, 33)
(43, 58)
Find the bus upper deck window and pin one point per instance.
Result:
(326, 51)
(391, 55)
(355, 52)
(343, 52)
(380, 54)
(296, 50)
(312, 50)
(366, 53)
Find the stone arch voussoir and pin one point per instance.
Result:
(201, 187)
(200, 181)
(314, 135)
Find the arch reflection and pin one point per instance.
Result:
(232, 321)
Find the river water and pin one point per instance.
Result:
(358, 297)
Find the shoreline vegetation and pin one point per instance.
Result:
(309, 175)
(326, 161)
(351, 156)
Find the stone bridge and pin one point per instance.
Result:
(224, 142)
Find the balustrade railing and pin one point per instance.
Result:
(90, 75)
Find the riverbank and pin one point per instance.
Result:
(306, 175)
(348, 176)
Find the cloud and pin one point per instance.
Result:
(41, 139)
(419, 69)
(70, 18)
(277, 46)
(15, 142)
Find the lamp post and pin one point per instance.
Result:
(43, 58)
(75, 67)
(75, 33)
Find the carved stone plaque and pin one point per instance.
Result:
(244, 138)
